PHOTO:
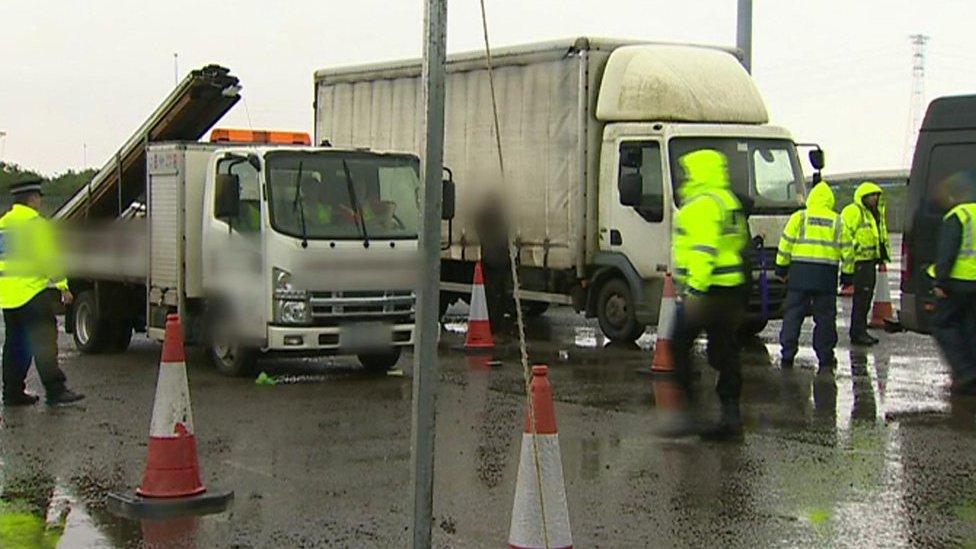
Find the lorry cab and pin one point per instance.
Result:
(642, 160)
(946, 146)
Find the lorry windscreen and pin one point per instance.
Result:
(765, 170)
(387, 191)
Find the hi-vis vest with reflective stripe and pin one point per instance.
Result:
(965, 266)
(693, 256)
(814, 237)
(29, 257)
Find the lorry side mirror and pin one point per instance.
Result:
(447, 208)
(817, 159)
(254, 161)
(631, 186)
(228, 196)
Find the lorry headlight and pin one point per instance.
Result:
(291, 312)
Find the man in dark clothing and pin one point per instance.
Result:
(867, 230)
(811, 248)
(954, 271)
(491, 225)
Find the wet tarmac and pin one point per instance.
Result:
(876, 455)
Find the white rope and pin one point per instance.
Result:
(512, 256)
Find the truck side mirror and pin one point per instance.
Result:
(447, 208)
(817, 159)
(228, 196)
(631, 187)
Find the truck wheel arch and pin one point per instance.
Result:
(612, 265)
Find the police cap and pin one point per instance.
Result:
(26, 187)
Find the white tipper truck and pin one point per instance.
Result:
(592, 131)
(261, 245)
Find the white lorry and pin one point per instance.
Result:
(262, 248)
(591, 132)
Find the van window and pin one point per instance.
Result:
(248, 219)
(944, 161)
(644, 158)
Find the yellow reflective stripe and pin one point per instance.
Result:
(816, 242)
(727, 269)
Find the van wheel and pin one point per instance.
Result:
(616, 312)
(380, 362)
(91, 333)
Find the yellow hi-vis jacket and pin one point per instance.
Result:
(965, 266)
(30, 261)
(816, 234)
(710, 228)
(867, 235)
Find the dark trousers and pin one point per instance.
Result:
(954, 328)
(865, 277)
(34, 325)
(824, 306)
(498, 293)
(718, 313)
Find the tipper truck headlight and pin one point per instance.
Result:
(291, 312)
(291, 305)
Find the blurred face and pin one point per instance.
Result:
(871, 200)
(34, 201)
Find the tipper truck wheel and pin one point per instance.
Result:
(616, 312)
(91, 333)
(380, 362)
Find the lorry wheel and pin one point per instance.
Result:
(380, 362)
(534, 309)
(90, 332)
(616, 312)
(231, 359)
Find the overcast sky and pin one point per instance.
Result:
(74, 73)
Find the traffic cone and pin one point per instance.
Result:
(540, 514)
(171, 484)
(882, 312)
(172, 469)
(847, 290)
(663, 357)
(479, 325)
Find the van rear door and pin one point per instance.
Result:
(940, 154)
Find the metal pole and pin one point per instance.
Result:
(743, 33)
(425, 369)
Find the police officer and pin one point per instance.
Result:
(867, 229)
(954, 322)
(812, 247)
(709, 238)
(30, 280)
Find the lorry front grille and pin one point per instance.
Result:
(335, 307)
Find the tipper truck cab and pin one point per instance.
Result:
(591, 131)
(946, 146)
(263, 246)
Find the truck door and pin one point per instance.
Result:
(642, 231)
(234, 260)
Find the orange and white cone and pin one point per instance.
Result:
(479, 325)
(882, 311)
(663, 356)
(172, 469)
(540, 514)
(171, 483)
(847, 290)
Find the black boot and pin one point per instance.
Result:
(63, 396)
(20, 399)
(729, 428)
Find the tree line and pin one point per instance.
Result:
(57, 189)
